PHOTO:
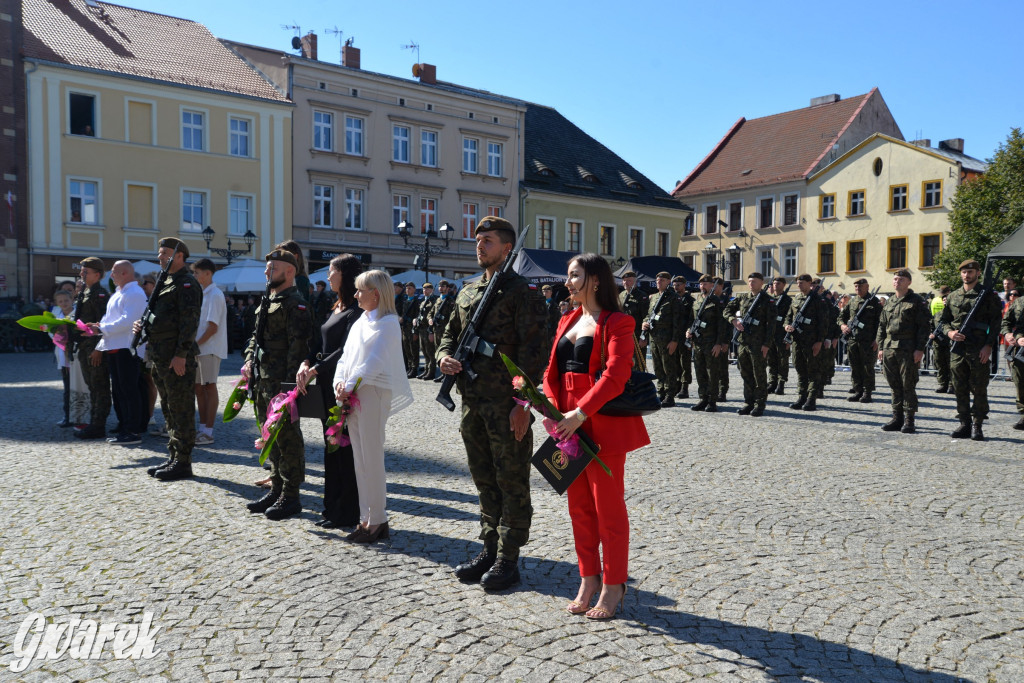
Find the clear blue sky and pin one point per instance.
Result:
(659, 83)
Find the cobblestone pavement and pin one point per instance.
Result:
(797, 546)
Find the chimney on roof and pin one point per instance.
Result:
(427, 73)
(309, 45)
(824, 99)
(350, 55)
(953, 145)
(924, 142)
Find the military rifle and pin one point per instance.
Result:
(698, 324)
(261, 322)
(855, 323)
(799, 319)
(965, 327)
(748, 319)
(147, 315)
(644, 334)
(470, 341)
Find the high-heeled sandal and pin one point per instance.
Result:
(601, 614)
(582, 607)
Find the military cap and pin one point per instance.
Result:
(804, 277)
(664, 274)
(427, 285)
(628, 273)
(903, 272)
(93, 263)
(678, 278)
(489, 223)
(174, 242)
(862, 281)
(970, 264)
(284, 256)
(706, 278)
(410, 284)
(756, 275)
(443, 282)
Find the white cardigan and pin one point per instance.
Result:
(373, 354)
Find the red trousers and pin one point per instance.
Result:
(600, 523)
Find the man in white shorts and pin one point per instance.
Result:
(212, 338)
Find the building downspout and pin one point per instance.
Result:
(28, 234)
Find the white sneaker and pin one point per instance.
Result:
(202, 439)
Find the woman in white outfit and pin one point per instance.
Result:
(373, 359)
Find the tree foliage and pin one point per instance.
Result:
(984, 211)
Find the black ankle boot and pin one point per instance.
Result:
(151, 471)
(908, 424)
(700, 405)
(896, 423)
(177, 470)
(503, 574)
(866, 398)
(799, 402)
(856, 397)
(473, 570)
(963, 431)
(283, 507)
(781, 389)
(976, 433)
(811, 403)
(263, 504)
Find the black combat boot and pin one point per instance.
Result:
(90, 432)
(411, 373)
(700, 405)
(857, 396)
(283, 507)
(758, 410)
(896, 423)
(943, 388)
(908, 424)
(721, 397)
(1019, 424)
(799, 402)
(781, 389)
(503, 574)
(151, 471)
(976, 433)
(866, 398)
(950, 390)
(471, 571)
(686, 391)
(711, 408)
(963, 431)
(811, 403)
(747, 409)
(669, 402)
(177, 470)
(263, 504)
(772, 386)
(820, 393)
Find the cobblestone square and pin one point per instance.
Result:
(793, 547)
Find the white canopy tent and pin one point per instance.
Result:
(246, 275)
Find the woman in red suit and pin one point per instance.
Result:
(597, 505)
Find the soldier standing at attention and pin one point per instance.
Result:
(1013, 334)
(861, 346)
(174, 312)
(90, 307)
(829, 348)
(663, 327)
(754, 341)
(683, 352)
(969, 358)
(439, 320)
(632, 299)
(495, 429)
(723, 358)
(410, 340)
(279, 347)
(808, 329)
(940, 343)
(902, 335)
(710, 340)
(778, 352)
(425, 329)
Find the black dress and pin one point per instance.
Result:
(341, 496)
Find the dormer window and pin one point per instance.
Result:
(586, 175)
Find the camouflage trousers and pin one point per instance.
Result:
(723, 371)
(666, 368)
(862, 365)
(178, 400)
(500, 467)
(901, 373)
(288, 454)
(828, 363)
(410, 348)
(808, 369)
(778, 363)
(685, 356)
(707, 369)
(754, 371)
(429, 350)
(98, 380)
(940, 360)
(1017, 374)
(970, 376)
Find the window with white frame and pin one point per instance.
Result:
(239, 214)
(765, 261)
(83, 202)
(353, 136)
(399, 210)
(688, 259)
(607, 239)
(856, 200)
(323, 131)
(790, 209)
(323, 206)
(239, 132)
(82, 114)
(353, 209)
(428, 148)
(494, 159)
(766, 212)
(711, 263)
(733, 262)
(573, 235)
(428, 215)
(495, 210)
(735, 216)
(827, 206)
(400, 144)
(545, 228)
(192, 129)
(688, 226)
(193, 211)
(789, 255)
(636, 242)
(663, 243)
(898, 198)
(469, 219)
(931, 194)
(469, 155)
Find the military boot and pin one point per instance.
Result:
(175, 471)
(1019, 424)
(976, 433)
(943, 388)
(908, 424)
(686, 391)
(474, 569)
(820, 393)
(758, 410)
(721, 397)
(503, 574)
(963, 431)
(866, 398)
(747, 409)
(853, 390)
(856, 396)
(711, 407)
(284, 506)
(799, 402)
(781, 389)
(772, 386)
(811, 403)
(151, 471)
(896, 423)
(700, 405)
(263, 504)
(669, 402)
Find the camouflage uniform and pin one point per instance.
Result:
(683, 352)
(828, 355)
(634, 303)
(778, 354)
(903, 329)
(173, 320)
(284, 344)
(499, 464)
(809, 331)
(90, 307)
(712, 332)
(860, 341)
(970, 375)
(410, 339)
(441, 314)
(666, 320)
(760, 332)
(1013, 323)
(723, 358)
(940, 352)
(424, 329)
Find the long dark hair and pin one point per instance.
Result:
(349, 267)
(293, 247)
(597, 268)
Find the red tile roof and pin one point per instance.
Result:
(772, 149)
(137, 43)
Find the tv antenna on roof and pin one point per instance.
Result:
(296, 40)
(413, 46)
(338, 32)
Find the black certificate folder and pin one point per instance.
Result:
(558, 468)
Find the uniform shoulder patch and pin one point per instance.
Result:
(302, 307)
(102, 294)
(187, 285)
(533, 287)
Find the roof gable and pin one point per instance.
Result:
(943, 155)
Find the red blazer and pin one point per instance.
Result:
(572, 390)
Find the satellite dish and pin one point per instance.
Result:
(416, 70)
(296, 43)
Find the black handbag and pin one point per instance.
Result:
(639, 397)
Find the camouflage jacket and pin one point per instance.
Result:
(761, 331)
(174, 316)
(409, 311)
(634, 303)
(90, 306)
(285, 337)
(713, 329)
(665, 317)
(1013, 320)
(814, 325)
(905, 323)
(426, 313)
(984, 329)
(782, 304)
(867, 321)
(441, 312)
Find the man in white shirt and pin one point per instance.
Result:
(212, 338)
(126, 306)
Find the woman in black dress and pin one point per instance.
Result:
(341, 496)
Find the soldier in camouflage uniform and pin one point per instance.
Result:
(723, 358)
(709, 340)
(495, 429)
(940, 344)
(969, 358)
(442, 313)
(683, 352)
(170, 330)
(663, 328)
(276, 351)
(410, 339)
(632, 300)
(808, 329)
(861, 346)
(902, 335)
(89, 308)
(831, 346)
(426, 331)
(1012, 331)
(754, 340)
(778, 353)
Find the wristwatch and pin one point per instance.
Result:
(581, 415)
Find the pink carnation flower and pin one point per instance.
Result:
(236, 405)
(260, 443)
(518, 383)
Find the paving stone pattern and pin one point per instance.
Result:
(794, 547)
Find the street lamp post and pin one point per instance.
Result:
(249, 238)
(425, 249)
(720, 261)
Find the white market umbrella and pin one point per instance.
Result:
(246, 275)
(146, 267)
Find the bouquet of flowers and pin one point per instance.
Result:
(48, 322)
(530, 396)
(276, 415)
(337, 417)
(239, 395)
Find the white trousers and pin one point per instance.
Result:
(366, 429)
